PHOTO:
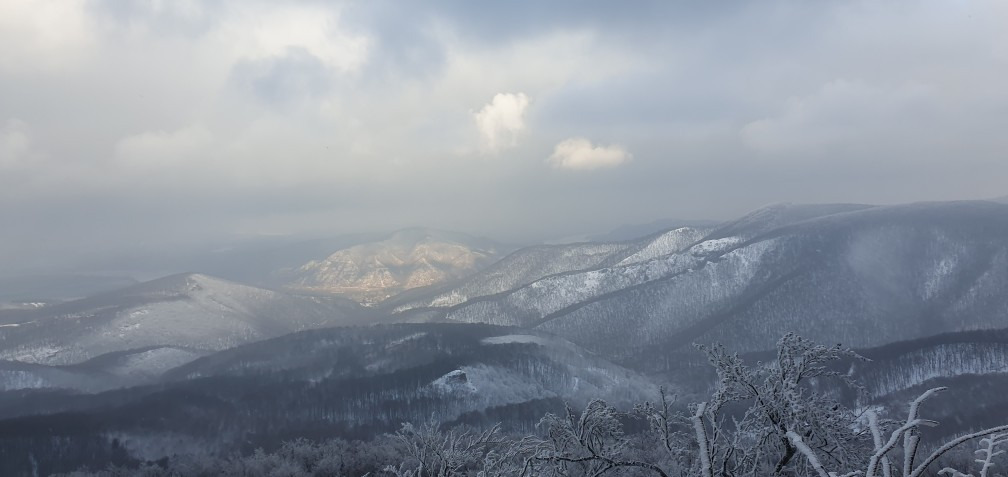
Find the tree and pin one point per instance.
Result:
(779, 398)
(590, 444)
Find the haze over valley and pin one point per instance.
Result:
(474, 239)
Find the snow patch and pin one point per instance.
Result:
(708, 247)
(404, 339)
(522, 339)
(455, 382)
(667, 243)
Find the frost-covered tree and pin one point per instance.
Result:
(744, 429)
(590, 443)
(458, 452)
(985, 456)
(775, 418)
(879, 461)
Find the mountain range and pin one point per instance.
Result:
(857, 275)
(145, 329)
(467, 330)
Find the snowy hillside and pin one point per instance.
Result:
(521, 268)
(173, 319)
(551, 262)
(858, 275)
(354, 381)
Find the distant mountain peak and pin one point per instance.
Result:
(406, 259)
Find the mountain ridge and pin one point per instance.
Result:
(174, 318)
(404, 260)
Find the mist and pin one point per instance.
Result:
(156, 128)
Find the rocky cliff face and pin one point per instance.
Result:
(372, 272)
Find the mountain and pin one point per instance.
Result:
(533, 264)
(148, 328)
(859, 275)
(919, 289)
(352, 382)
(635, 231)
(408, 259)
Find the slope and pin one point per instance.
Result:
(188, 314)
(862, 276)
(412, 258)
(350, 382)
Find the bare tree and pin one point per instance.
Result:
(780, 399)
(907, 431)
(447, 454)
(768, 419)
(591, 444)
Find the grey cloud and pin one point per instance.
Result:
(183, 18)
(168, 129)
(294, 76)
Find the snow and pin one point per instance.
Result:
(195, 312)
(667, 243)
(709, 247)
(39, 354)
(455, 382)
(521, 339)
(404, 339)
(153, 362)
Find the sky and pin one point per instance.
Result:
(143, 127)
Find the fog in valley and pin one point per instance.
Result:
(518, 239)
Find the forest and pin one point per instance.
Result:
(782, 418)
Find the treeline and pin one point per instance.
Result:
(767, 419)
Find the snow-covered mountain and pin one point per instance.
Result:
(350, 381)
(408, 259)
(148, 328)
(859, 275)
(920, 289)
(533, 264)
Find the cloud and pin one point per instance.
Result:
(501, 120)
(14, 144)
(271, 32)
(160, 150)
(43, 35)
(369, 114)
(843, 113)
(280, 80)
(579, 154)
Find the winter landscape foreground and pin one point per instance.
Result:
(822, 340)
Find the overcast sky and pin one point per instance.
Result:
(147, 125)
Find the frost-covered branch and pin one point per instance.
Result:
(812, 458)
(595, 438)
(912, 438)
(703, 445)
(873, 426)
(953, 444)
(988, 452)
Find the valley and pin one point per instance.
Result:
(485, 336)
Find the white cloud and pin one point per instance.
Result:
(579, 154)
(271, 32)
(43, 35)
(501, 120)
